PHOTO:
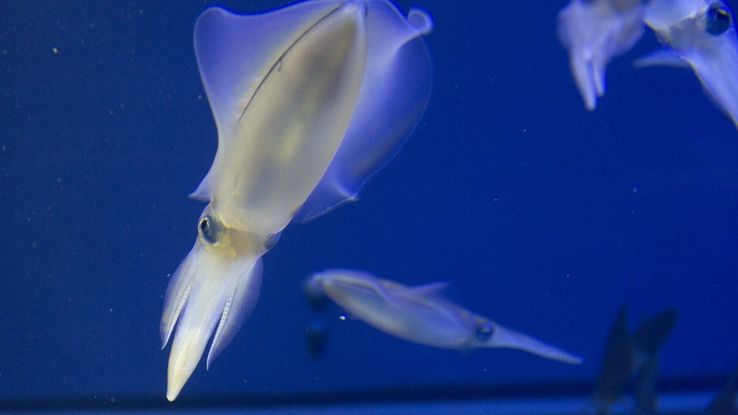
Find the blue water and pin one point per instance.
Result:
(545, 217)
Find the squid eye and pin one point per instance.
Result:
(209, 229)
(484, 330)
(718, 20)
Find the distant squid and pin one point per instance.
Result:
(594, 32)
(421, 315)
(309, 101)
(700, 34)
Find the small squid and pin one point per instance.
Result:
(309, 101)
(594, 32)
(700, 34)
(420, 315)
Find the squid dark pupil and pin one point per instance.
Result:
(483, 332)
(718, 20)
(209, 230)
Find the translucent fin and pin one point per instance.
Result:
(202, 193)
(385, 289)
(715, 66)
(430, 290)
(235, 52)
(504, 337)
(394, 93)
(236, 310)
(396, 294)
(661, 57)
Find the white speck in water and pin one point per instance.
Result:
(635, 189)
(342, 317)
(55, 51)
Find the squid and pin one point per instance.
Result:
(309, 101)
(594, 32)
(699, 34)
(421, 315)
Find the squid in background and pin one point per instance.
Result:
(421, 315)
(699, 34)
(594, 32)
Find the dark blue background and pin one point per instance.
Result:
(545, 217)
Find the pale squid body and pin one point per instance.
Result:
(594, 32)
(308, 101)
(420, 315)
(701, 34)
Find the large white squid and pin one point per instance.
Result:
(309, 101)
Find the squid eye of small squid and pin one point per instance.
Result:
(484, 331)
(718, 19)
(209, 229)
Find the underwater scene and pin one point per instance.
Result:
(369, 207)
